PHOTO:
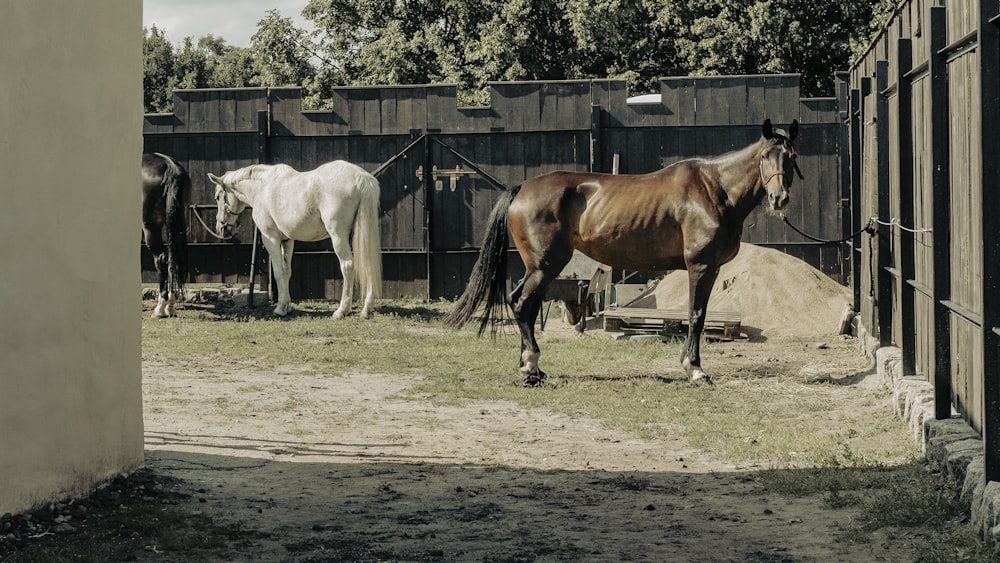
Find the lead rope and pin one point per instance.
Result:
(871, 262)
(209, 229)
(869, 228)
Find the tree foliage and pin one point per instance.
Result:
(814, 39)
(157, 71)
(279, 55)
(367, 42)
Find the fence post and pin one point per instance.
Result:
(941, 221)
(904, 133)
(885, 280)
(262, 158)
(857, 246)
(846, 209)
(595, 138)
(989, 106)
(428, 211)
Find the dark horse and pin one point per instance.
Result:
(166, 190)
(688, 215)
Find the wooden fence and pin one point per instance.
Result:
(924, 127)
(442, 167)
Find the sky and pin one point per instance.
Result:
(232, 20)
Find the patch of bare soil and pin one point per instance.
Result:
(355, 473)
(352, 472)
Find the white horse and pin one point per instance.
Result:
(323, 203)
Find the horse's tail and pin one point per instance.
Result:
(367, 241)
(489, 276)
(176, 186)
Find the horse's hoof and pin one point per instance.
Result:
(695, 373)
(698, 376)
(533, 379)
(337, 315)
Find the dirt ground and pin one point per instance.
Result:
(353, 473)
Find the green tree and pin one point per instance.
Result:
(209, 63)
(233, 68)
(225, 66)
(473, 43)
(814, 39)
(622, 39)
(525, 40)
(157, 71)
(432, 41)
(191, 66)
(388, 42)
(280, 53)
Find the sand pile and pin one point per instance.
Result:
(774, 292)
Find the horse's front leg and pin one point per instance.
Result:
(280, 254)
(701, 278)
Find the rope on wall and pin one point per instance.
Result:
(872, 228)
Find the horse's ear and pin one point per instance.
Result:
(768, 131)
(793, 130)
(215, 179)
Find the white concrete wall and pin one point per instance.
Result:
(70, 147)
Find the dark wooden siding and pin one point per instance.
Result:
(432, 223)
(927, 92)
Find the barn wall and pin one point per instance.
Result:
(432, 224)
(923, 152)
(70, 399)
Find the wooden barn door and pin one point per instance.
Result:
(461, 194)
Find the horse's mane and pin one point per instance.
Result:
(779, 137)
(257, 172)
(252, 172)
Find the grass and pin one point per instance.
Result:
(787, 419)
(635, 388)
(901, 500)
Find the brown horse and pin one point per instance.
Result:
(166, 189)
(688, 215)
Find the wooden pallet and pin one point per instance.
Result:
(629, 319)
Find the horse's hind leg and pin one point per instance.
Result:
(162, 309)
(342, 248)
(160, 262)
(526, 302)
(168, 284)
(170, 308)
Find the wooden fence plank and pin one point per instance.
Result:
(989, 182)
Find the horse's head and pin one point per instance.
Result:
(229, 207)
(777, 163)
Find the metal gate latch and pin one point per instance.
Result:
(437, 174)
